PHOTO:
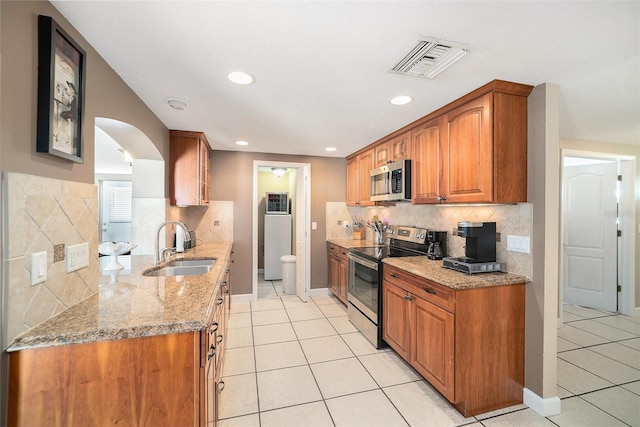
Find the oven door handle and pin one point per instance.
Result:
(370, 264)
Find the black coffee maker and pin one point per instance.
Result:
(481, 241)
(437, 244)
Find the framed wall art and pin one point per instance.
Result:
(61, 83)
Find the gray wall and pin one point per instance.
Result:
(106, 96)
(232, 180)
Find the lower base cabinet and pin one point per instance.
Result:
(469, 344)
(338, 271)
(164, 380)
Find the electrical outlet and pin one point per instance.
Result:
(38, 267)
(346, 224)
(77, 257)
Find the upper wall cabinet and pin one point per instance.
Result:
(473, 150)
(189, 177)
(358, 178)
(397, 148)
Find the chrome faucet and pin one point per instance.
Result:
(159, 253)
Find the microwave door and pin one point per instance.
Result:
(380, 186)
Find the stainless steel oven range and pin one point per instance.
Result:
(365, 277)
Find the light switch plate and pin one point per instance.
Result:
(38, 267)
(77, 257)
(314, 225)
(518, 244)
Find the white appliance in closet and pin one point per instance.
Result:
(277, 242)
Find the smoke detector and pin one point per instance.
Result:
(429, 57)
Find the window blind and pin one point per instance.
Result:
(119, 204)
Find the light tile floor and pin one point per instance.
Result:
(303, 364)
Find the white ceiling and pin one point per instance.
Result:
(321, 66)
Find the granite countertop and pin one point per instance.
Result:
(433, 270)
(136, 305)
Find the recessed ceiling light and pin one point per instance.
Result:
(401, 100)
(240, 77)
(330, 149)
(175, 103)
(242, 143)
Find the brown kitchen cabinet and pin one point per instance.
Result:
(189, 175)
(475, 149)
(172, 379)
(393, 150)
(469, 344)
(338, 271)
(358, 178)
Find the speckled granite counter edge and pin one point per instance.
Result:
(431, 270)
(52, 332)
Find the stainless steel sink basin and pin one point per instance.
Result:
(182, 268)
(208, 262)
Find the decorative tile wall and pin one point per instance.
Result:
(40, 213)
(148, 213)
(213, 223)
(509, 219)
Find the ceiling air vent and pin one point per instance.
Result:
(430, 57)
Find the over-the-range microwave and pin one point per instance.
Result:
(391, 181)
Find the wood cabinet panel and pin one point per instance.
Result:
(468, 162)
(338, 271)
(358, 178)
(353, 182)
(469, 344)
(397, 332)
(142, 381)
(189, 174)
(433, 341)
(427, 158)
(393, 150)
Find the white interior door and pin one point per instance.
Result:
(303, 239)
(115, 211)
(590, 236)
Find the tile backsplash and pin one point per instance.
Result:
(40, 214)
(509, 219)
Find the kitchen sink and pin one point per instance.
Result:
(182, 268)
(206, 262)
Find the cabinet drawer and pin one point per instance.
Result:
(422, 288)
(338, 251)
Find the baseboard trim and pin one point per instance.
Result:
(242, 298)
(545, 407)
(318, 292)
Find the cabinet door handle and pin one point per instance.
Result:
(224, 283)
(408, 297)
(220, 301)
(442, 199)
(220, 386)
(212, 352)
(394, 275)
(429, 291)
(220, 338)
(214, 328)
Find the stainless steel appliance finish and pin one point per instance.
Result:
(391, 181)
(365, 278)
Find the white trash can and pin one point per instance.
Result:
(289, 274)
